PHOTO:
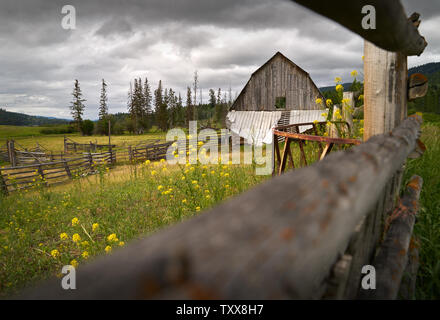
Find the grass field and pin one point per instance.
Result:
(28, 137)
(43, 229)
(427, 227)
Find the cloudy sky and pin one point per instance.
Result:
(119, 40)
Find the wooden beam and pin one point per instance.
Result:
(385, 90)
(279, 240)
(394, 32)
(328, 147)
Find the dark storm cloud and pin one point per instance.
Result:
(167, 40)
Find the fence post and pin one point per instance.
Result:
(41, 173)
(130, 155)
(66, 167)
(347, 107)
(11, 153)
(4, 187)
(90, 161)
(385, 90)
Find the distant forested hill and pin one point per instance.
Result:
(426, 69)
(429, 103)
(21, 119)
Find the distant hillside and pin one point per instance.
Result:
(426, 69)
(21, 119)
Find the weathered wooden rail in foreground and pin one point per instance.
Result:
(304, 234)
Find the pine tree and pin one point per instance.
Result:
(212, 100)
(131, 110)
(195, 86)
(147, 102)
(103, 108)
(219, 96)
(77, 107)
(179, 110)
(189, 107)
(161, 107)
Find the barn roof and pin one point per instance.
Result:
(278, 54)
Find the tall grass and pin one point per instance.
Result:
(427, 227)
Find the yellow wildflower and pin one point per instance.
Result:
(318, 101)
(197, 208)
(338, 79)
(74, 263)
(339, 87)
(112, 238)
(75, 221)
(64, 236)
(54, 253)
(121, 243)
(160, 187)
(95, 226)
(85, 255)
(184, 201)
(108, 249)
(354, 73)
(76, 238)
(329, 102)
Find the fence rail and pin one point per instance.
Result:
(286, 238)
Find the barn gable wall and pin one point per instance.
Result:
(279, 77)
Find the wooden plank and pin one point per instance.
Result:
(282, 245)
(328, 147)
(385, 90)
(393, 32)
(284, 155)
(348, 105)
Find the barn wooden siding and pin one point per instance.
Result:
(278, 77)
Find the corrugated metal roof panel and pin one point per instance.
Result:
(256, 126)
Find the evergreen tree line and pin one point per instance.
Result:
(163, 109)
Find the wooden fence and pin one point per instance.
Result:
(71, 146)
(41, 170)
(308, 232)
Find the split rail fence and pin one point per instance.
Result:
(49, 169)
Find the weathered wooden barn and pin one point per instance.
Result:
(278, 85)
(277, 93)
